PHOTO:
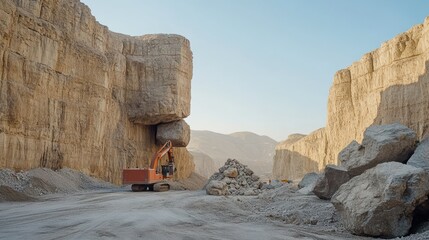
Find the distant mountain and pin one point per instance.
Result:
(249, 148)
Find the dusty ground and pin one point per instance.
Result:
(66, 204)
(120, 214)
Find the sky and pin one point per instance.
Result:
(264, 66)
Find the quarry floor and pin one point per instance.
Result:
(121, 214)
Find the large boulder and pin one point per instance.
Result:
(381, 143)
(216, 188)
(178, 132)
(308, 179)
(420, 158)
(381, 201)
(330, 181)
(159, 82)
(351, 151)
(308, 182)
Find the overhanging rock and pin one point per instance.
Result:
(178, 132)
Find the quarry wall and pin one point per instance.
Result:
(387, 85)
(74, 94)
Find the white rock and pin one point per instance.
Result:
(382, 143)
(420, 158)
(308, 179)
(381, 201)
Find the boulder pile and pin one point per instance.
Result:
(234, 178)
(381, 201)
(381, 143)
(381, 184)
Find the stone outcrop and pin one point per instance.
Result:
(73, 94)
(381, 201)
(387, 85)
(178, 132)
(234, 178)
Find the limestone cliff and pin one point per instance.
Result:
(387, 85)
(286, 165)
(204, 164)
(74, 94)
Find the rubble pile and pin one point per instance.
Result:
(382, 185)
(234, 178)
(28, 185)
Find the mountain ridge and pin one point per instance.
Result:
(256, 151)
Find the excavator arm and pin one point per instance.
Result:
(143, 179)
(166, 148)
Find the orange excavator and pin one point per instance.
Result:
(152, 178)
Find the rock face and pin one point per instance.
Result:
(204, 164)
(289, 161)
(237, 178)
(73, 94)
(178, 132)
(385, 86)
(383, 143)
(420, 158)
(381, 201)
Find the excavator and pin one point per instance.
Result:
(152, 178)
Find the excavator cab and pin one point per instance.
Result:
(152, 178)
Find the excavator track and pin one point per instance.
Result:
(157, 187)
(141, 187)
(161, 187)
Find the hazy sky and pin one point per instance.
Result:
(265, 66)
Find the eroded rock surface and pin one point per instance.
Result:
(387, 85)
(73, 94)
(290, 163)
(381, 201)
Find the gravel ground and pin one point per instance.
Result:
(24, 186)
(120, 214)
(66, 204)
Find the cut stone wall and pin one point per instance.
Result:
(387, 85)
(73, 94)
